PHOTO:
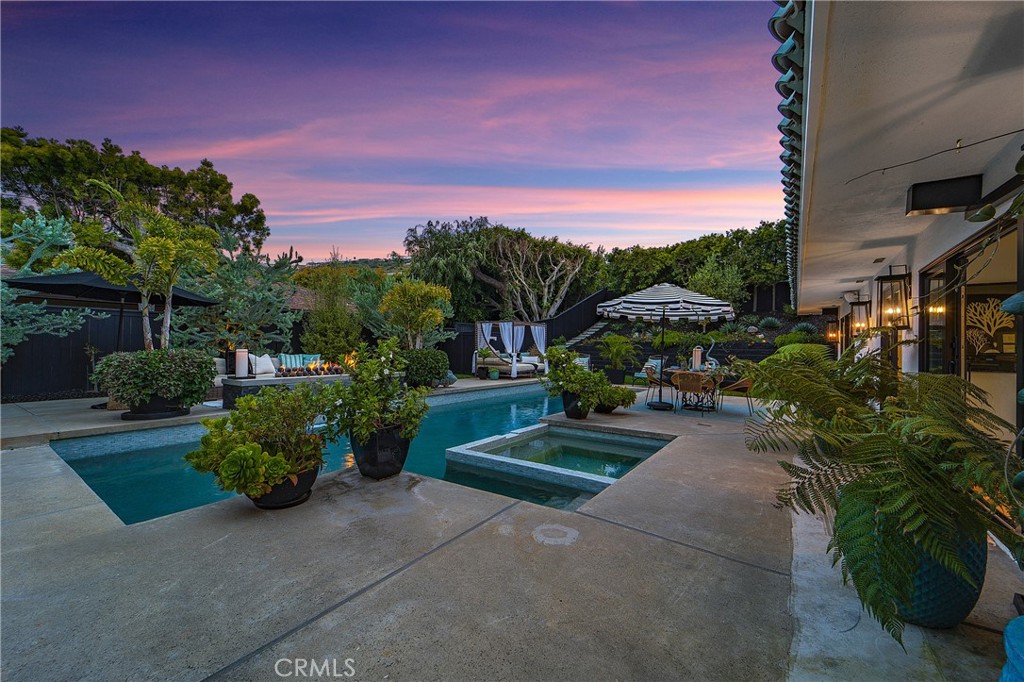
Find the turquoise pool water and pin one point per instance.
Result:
(142, 475)
(587, 453)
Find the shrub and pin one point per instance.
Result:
(688, 340)
(797, 337)
(620, 351)
(671, 340)
(332, 331)
(565, 376)
(732, 328)
(806, 327)
(616, 396)
(750, 320)
(425, 366)
(183, 375)
(770, 323)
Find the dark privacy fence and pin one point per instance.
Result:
(572, 321)
(45, 366)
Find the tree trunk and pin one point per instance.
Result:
(147, 330)
(165, 332)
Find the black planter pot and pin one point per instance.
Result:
(571, 404)
(156, 408)
(481, 372)
(383, 455)
(615, 376)
(287, 494)
(605, 409)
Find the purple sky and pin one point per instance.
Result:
(602, 123)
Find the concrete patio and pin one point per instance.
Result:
(681, 570)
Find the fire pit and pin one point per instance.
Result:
(315, 369)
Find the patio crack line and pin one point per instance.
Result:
(366, 588)
(784, 574)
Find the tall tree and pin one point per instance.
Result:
(35, 242)
(51, 177)
(152, 250)
(253, 293)
(417, 308)
(721, 280)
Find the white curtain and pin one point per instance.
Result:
(540, 334)
(517, 345)
(505, 330)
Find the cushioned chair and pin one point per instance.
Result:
(642, 374)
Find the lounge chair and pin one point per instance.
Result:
(504, 366)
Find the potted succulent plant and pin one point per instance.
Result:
(267, 447)
(610, 397)
(911, 467)
(620, 352)
(380, 413)
(156, 384)
(578, 386)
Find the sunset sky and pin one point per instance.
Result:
(602, 123)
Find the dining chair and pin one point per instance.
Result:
(743, 386)
(654, 382)
(695, 389)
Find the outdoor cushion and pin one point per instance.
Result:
(262, 364)
(220, 366)
(292, 360)
(310, 359)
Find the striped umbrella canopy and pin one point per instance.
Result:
(668, 302)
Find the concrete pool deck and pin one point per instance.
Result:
(681, 570)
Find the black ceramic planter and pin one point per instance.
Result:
(156, 408)
(605, 409)
(287, 494)
(571, 404)
(383, 455)
(615, 376)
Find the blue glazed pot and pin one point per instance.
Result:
(1013, 640)
(941, 599)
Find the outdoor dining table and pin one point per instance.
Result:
(702, 396)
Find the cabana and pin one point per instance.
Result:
(512, 335)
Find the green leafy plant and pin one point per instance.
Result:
(609, 396)
(806, 327)
(732, 328)
(770, 323)
(620, 351)
(750, 320)
(484, 353)
(267, 438)
(906, 463)
(376, 399)
(667, 341)
(565, 375)
(797, 337)
(183, 375)
(425, 366)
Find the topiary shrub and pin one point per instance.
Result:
(797, 337)
(425, 366)
(182, 375)
(770, 323)
(807, 327)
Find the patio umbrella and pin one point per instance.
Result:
(665, 302)
(87, 287)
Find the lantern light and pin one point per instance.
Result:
(860, 317)
(832, 331)
(894, 299)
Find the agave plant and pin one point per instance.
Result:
(770, 323)
(806, 327)
(906, 465)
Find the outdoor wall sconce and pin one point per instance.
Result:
(832, 331)
(894, 299)
(860, 317)
(943, 196)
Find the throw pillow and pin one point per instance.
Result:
(291, 360)
(262, 364)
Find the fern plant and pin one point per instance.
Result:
(906, 464)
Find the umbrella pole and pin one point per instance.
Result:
(660, 403)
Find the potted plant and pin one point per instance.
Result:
(380, 414)
(911, 467)
(610, 397)
(156, 384)
(620, 352)
(267, 448)
(493, 373)
(577, 385)
(483, 354)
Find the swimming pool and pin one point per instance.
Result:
(142, 475)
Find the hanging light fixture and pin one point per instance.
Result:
(894, 299)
